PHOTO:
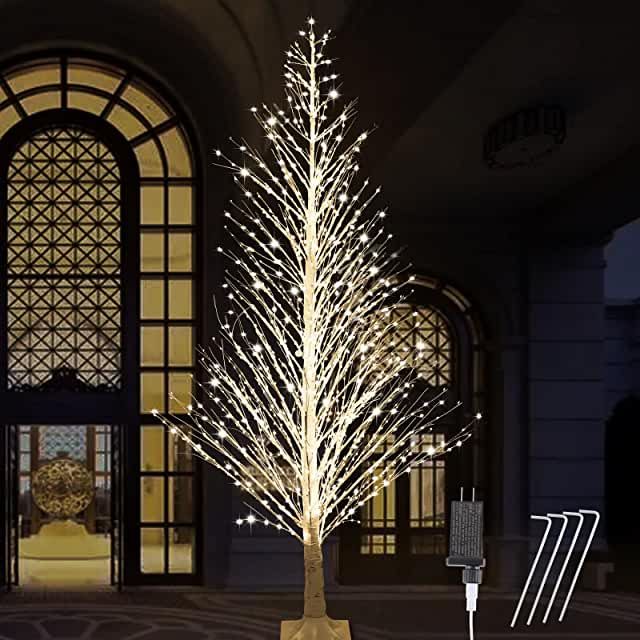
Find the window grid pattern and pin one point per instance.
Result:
(427, 486)
(62, 440)
(166, 486)
(378, 544)
(63, 260)
(167, 253)
(423, 335)
(101, 436)
(25, 453)
(378, 517)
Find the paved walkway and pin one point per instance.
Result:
(204, 615)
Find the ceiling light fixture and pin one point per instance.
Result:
(525, 137)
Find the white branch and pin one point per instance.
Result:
(306, 407)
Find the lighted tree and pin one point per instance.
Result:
(304, 387)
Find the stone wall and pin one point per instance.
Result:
(622, 351)
(566, 380)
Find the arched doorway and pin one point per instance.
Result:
(622, 522)
(402, 537)
(98, 323)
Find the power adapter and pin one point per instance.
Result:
(466, 543)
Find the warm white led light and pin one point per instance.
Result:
(306, 381)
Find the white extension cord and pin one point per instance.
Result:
(471, 593)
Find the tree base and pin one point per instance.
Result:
(315, 629)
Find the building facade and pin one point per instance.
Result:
(110, 211)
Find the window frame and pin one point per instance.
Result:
(465, 467)
(111, 409)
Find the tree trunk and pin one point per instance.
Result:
(314, 602)
(314, 624)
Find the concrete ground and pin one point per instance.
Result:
(203, 615)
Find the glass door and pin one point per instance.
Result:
(61, 505)
(13, 483)
(98, 262)
(117, 548)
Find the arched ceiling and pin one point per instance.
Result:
(249, 38)
(578, 54)
(433, 76)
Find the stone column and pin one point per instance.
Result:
(635, 349)
(510, 550)
(566, 380)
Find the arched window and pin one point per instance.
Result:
(424, 334)
(63, 261)
(402, 531)
(99, 266)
